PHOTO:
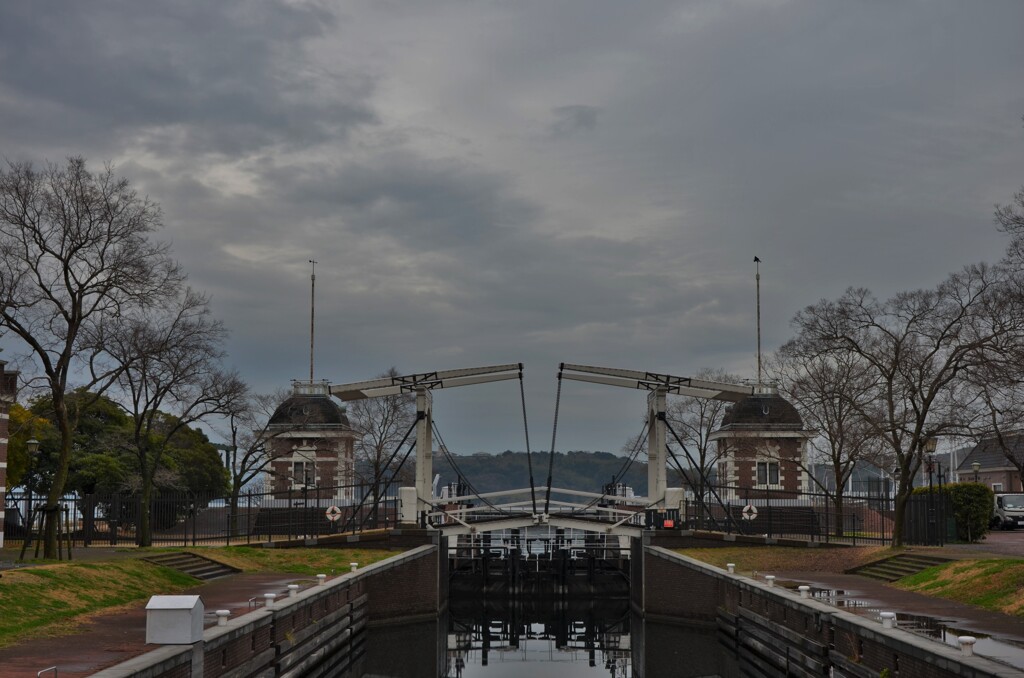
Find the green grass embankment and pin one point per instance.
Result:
(995, 584)
(306, 561)
(51, 599)
(769, 559)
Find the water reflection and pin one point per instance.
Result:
(536, 638)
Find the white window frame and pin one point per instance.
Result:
(303, 473)
(768, 467)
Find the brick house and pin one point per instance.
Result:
(762, 445)
(994, 469)
(8, 392)
(312, 447)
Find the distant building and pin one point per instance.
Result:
(312, 446)
(994, 469)
(8, 392)
(865, 479)
(762, 445)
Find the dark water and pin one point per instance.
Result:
(577, 639)
(580, 639)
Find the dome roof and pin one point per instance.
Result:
(765, 411)
(308, 411)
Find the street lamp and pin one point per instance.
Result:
(929, 446)
(977, 467)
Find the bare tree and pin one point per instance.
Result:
(916, 347)
(994, 385)
(171, 378)
(249, 432)
(74, 257)
(1000, 408)
(832, 393)
(380, 424)
(1010, 219)
(694, 420)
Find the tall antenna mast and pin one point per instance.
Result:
(312, 316)
(757, 278)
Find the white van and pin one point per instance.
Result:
(1008, 511)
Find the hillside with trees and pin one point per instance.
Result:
(573, 470)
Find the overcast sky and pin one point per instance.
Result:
(535, 182)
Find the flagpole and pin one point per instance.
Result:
(757, 278)
(312, 316)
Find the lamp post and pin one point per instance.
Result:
(977, 467)
(929, 460)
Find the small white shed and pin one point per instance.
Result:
(174, 620)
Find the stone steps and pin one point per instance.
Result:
(191, 564)
(898, 567)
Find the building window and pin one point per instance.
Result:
(304, 473)
(997, 487)
(767, 473)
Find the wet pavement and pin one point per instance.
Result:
(1000, 636)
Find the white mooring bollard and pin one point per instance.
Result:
(268, 599)
(966, 645)
(805, 591)
(731, 567)
(770, 579)
(293, 590)
(354, 566)
(888, 620)
(222, 617)
(321, 579)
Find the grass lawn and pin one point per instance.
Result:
(52, 598)
(994, 584)
(307, 561)
(767, 559)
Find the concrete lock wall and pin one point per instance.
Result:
(773, 630)
(323, 628)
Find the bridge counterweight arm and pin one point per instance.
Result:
(650, 381)
(430, 381)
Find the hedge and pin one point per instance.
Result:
(972, 508)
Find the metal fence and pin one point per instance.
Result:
(183, 518)
(187, 519)
(860, 517)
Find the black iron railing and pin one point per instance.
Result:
(185, 518)
(857, 517)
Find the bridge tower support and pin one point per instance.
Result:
(424, 451)
(657, 442)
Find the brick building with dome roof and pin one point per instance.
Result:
(312, 445)
(762, 445)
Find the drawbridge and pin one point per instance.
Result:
(461, 510)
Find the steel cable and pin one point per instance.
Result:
(529, 455)
(551, 452)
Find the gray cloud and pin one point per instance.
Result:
(464, 213)
(187, 77)
(571, 119)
